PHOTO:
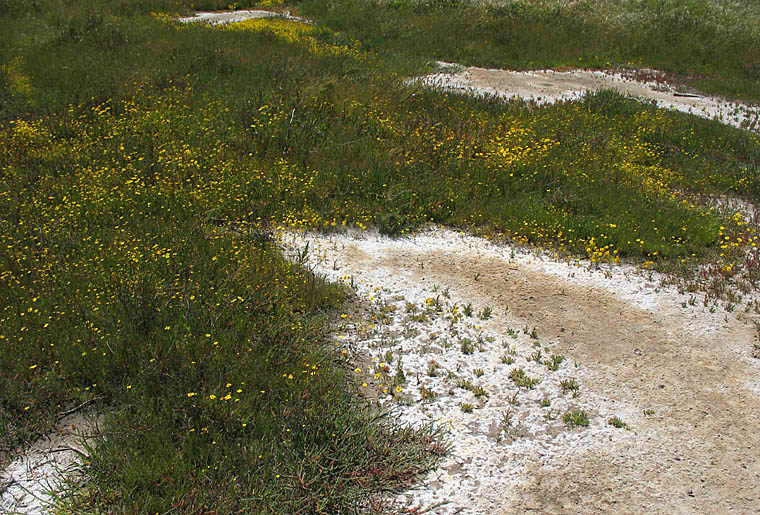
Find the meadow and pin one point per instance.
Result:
(146, 166)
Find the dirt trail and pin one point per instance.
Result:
(549, 86)
(697, 451)
(225, 17)
(32, 481)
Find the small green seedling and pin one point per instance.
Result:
(521, 379)
(466, 346)
(507, 360)
(576, 418)
(616, 422)
(569, 385)
(553, 363)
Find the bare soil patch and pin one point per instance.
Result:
(549, 86)
(32, 481)
(681, 377)
(224, 17)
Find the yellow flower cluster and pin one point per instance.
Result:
(299, 33)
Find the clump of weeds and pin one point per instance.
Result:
(616, 422)
(570, 385)
(554, 363)
(467, 346)
(506, 359)
(576, 418)
(521, 379)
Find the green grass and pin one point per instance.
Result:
(209, 351)
(616, 422)
(522, 380)
(122, 283)
(576, 418)
(144, 164)
(711, 45)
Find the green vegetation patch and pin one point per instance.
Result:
(708, 44)
(122, 284)
(144, 166)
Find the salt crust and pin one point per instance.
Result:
(549, 86)
(489, 461)
(33, 478)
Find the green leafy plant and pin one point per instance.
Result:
(427, 394)
(570, 385)
(521, 379)
(506, 359)
(576, 418)
(400, 377)
(478, 391)
(616, 422)
(553, 363)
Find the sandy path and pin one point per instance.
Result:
(29, 482)
(699, 449)
(225, 17)
(638, 349)
(549, 86)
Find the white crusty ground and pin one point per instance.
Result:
(489, 460)
(224, 17)
(550, 86)
(34, 479)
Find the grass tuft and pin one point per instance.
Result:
(146, 167)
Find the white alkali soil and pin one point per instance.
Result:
(550, 86)
(32, 481)
(682, 378)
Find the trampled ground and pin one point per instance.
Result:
(549, 86)
(678, 373)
